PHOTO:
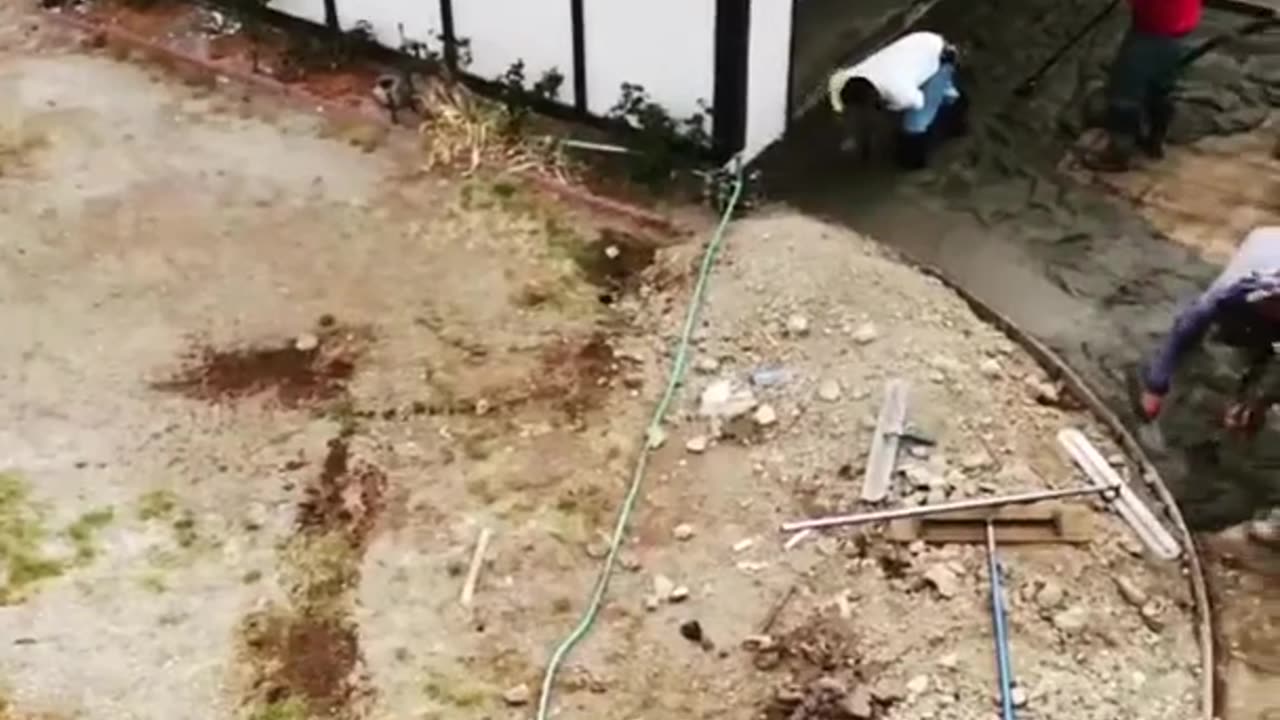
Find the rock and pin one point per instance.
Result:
(652, 603)
(950, 661)
(936, 496)
(691, 630)
(946, 364)
(798, 325)
(679, 594)
(1130, 591)
(725, 399)
(990, 368)
(1153, 615)
(683, 532)
(1042, 391)
(697, 444)
(765, 416)
(788, 695)
(758, 643)
(1019, 696)
(597, 549)
(857, 704)
(306, 342)
(1071, 620)
(943, 580)
(662, 586)
(975, 461)
(866, 333)
(743, 544)
(517, 696)
(829, 390)
(1050, 596)
(830, 685)
(707, 365)
(918, 685)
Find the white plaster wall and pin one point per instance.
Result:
(768, 70)
(539, 32)
(421, 19)
(312, 10)
(668, 46)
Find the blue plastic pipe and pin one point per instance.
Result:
(1003, 664)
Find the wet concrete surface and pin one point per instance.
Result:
(1067, 260)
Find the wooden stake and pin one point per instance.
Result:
(473, 574)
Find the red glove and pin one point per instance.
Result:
(1151, 404)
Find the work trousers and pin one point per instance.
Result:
(1140, 87)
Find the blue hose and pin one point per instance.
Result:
(1003, 663)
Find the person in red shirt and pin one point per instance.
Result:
(1139, 89)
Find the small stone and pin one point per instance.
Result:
(830, 686)
(726, 399)
(1130, 591)
(1042, 391)
(1019, 696)
(943, 580)
(744, 544)
(765, 416)
(679, 594)
(306, 342)
(918, 685)
(1153, 615)
(798, 325)
(788, 695)
(662, 587)
(758, 643)
(866, 333)
(691, 631)
(697, 444)
(652, 603)
(612, 252)
(990, 368)
(975, 461)
(1050, 596)
(829, 390)
(950, 661)
(598, 549)
(683, 532)
(1071, 620)
(707, 365)
(857, 704)
(517, 696)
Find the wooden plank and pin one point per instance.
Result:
(1039, 523)
(884, 445)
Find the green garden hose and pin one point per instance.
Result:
(652, 434)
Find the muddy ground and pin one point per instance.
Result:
(267, 388)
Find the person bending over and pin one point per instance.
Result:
(913, 76)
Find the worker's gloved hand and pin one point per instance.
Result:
(1151, 404)
(1244, 417)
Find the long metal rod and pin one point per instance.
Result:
(974, 504)
(1003, 663)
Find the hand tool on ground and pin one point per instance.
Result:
(1130, 507)
(1043, 522)
(890, 428)
(972, 504)
(1028, 86)
(1004, 664)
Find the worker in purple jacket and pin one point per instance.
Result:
(1244, 305)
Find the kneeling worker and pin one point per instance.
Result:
(914, 76)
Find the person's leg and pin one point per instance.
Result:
(1166, 59)
(1126, 93)
(913, 150)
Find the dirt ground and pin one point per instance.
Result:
(268, 387)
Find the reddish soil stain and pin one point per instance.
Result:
(344, 498)
(308, 659)
(576, 375)
(295, 377)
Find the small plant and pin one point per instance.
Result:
(516, 98)
(661, 138)
(157, 504)
(83, 531)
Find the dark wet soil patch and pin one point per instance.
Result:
(576, 375)
(296, 373)
(344, 499)
(615, 262)
(306, 662)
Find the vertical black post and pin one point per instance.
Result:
(733, 49)
(331, 14)
(791, 64)
(448, 37)
(578, 16)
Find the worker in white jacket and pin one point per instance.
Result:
(913, 76)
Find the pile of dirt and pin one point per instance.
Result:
(346, 500)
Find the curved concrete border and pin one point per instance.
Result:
(1206, 619)
(357, 111)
